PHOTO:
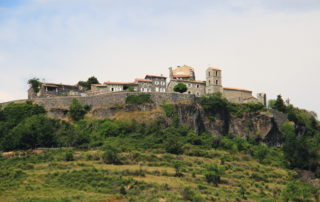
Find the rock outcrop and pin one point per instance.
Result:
(261, 125)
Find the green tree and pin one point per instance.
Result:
(76, 110)
(35, 84)
(35, 131)
(14, 113)
(180, 88)
(280, 105)
(87, 84)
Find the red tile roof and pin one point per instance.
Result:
(118, 83)
(214, 68)
(143, 80)
(156, 76)
(181, 75)
(237, 89)
(188, 81)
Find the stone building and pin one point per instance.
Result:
(182, 72)
(213, 84)
(159, 83)
(197, 88)
(53, 90)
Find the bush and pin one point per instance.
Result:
(111, 157)
(139, 99)
(214, 173)
(189, 195)
(76, 110)
(35, 84)
(180, 88)
(69, 156)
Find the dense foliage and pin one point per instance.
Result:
(87, 84)
(76, 110)
(139, 99)
(35, 84)
(180, 88)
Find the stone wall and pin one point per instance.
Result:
(196, 88)
(110, 99)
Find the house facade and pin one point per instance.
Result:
(158, 84)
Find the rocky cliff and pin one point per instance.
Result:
(261, 125)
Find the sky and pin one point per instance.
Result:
(270, 46)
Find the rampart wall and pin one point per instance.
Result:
(110, 99)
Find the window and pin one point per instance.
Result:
(112, 89)
(156, 82)
(189, 92)
(197, 85)
(157, 89)
(216, 73)
(163, 90)
(217, 82)
(209, 73)
(189, 85)
(209, 81)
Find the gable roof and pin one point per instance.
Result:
(154, 76)
(143, 80)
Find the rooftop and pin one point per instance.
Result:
(237, 89)
(119, 83)
(143, 80)
(154, 76)
(215, 68)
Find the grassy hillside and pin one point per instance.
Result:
(141, 156)
(66, 175)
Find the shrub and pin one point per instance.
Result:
(69, 156)
(189, 195)
(213, 174)
(35, 84)
(180, 88)
(139, 99)
(111, 157)
(76, 110)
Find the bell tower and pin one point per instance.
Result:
(213, 80)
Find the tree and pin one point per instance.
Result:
(87, 84)
(35, 131)
(180, 88)
(35, 84)
(280, 105)
(76, 110)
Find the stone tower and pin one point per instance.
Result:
(262, 97)
(213, 80)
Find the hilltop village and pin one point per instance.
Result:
(156, 84)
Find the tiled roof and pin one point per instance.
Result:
(181, 75)
(188, 81)
(237, 89)
(214, 68)
(97, 85)
(156, 76)
(118, 83)
(143, 80)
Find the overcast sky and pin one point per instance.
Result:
(270, 46)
